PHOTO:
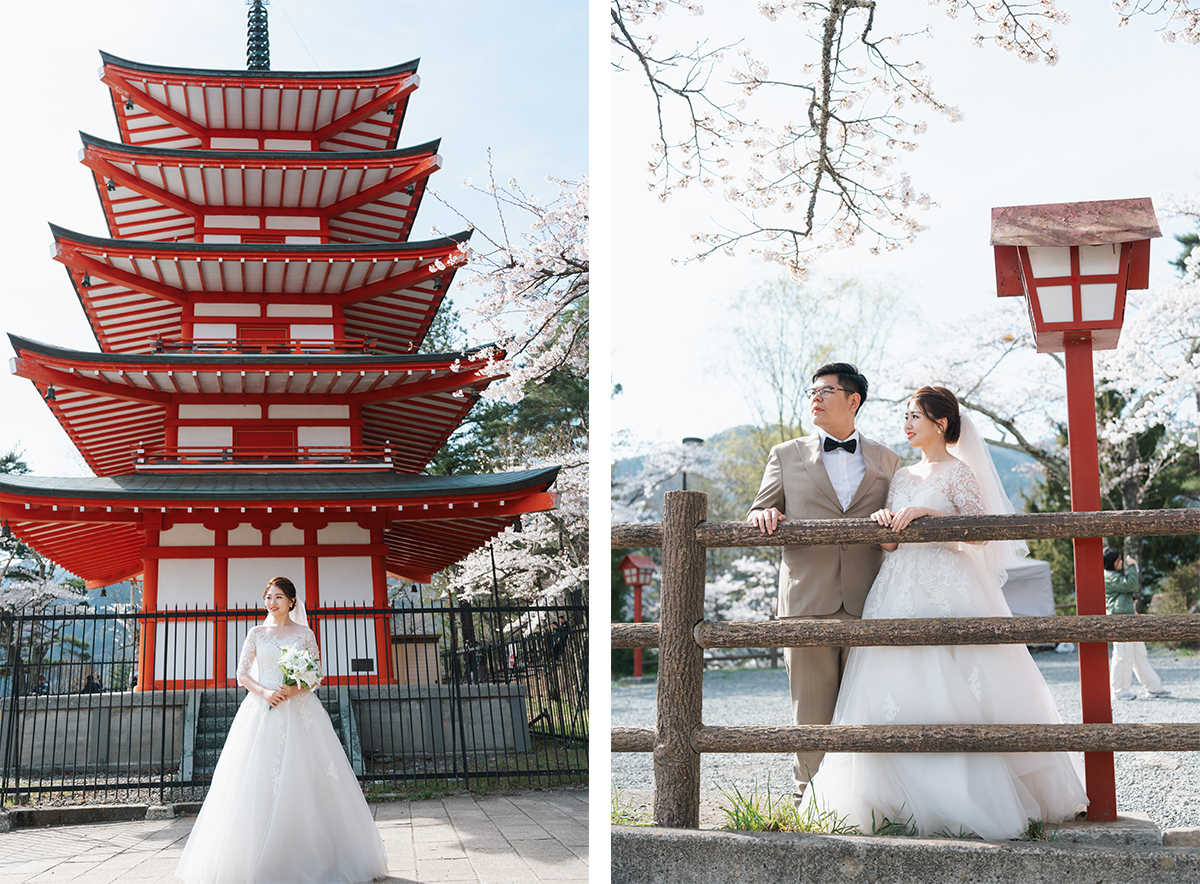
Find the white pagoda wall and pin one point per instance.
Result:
(243, 559)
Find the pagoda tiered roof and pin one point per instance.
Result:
(112, 405)
(192, 108)
(94, 526)
(163, 194)
(134, 292)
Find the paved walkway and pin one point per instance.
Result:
(522, 838)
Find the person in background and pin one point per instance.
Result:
(1121, 596)
(91, 686)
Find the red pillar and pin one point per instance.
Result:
(145, 678)
(221, 678)
(637, 618)
(379, 601)
(1089, 568)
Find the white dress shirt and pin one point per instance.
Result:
(845, 470)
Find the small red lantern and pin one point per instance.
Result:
(638, 571)
(1074, 263)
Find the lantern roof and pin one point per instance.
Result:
(112, 405)
(159, 106)
(136, 290)
(94, 527)
(1075, 224)
(161, 194)
(639, 561)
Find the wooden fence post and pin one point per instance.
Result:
(680, 663)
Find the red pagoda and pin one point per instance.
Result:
(258, 405)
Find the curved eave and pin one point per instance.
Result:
(234, 362)
(94, 526)
(353, 196)
(292, 157)
(114, 407)
(264, 76)
(256, 250)
(389, 292)
(190, 107)
(260, 490)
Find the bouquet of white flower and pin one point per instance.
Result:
(300, 667)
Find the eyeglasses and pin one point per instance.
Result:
(824, 392)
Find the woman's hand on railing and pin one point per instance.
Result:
(901, 519)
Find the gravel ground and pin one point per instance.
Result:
(1165, 785)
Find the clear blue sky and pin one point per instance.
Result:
(509, 75)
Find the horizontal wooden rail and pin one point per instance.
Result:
(947, 631)
(933, 631)
(1016, 526)
(927, 738)
(635, 635)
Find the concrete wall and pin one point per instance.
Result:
(414, 721)
(128, 731)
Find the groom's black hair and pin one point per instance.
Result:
(848, 376)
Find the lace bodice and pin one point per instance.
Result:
(951, 490)
(263, 645)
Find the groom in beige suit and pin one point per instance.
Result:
(836, 474)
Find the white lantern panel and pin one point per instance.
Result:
(1099, 260)
(1050, 261)
(1056, 303)
(1098, 301)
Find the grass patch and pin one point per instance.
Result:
(904, 828)
(420, 790)
(625, 815)
(1037, 830)
(759, 812)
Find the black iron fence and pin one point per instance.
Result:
(129, 706)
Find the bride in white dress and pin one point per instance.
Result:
(993, 796)
(285, 806)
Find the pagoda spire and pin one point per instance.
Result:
(258, 43)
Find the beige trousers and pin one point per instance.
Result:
(1129, 659)
(815, 674)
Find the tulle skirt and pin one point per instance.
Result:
(992, 795)
(284, 806)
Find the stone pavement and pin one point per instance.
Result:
(522, 838)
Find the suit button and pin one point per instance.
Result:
(845, 546)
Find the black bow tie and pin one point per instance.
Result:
(832, 444)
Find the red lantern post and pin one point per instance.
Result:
(1074, 263)
(638, 571)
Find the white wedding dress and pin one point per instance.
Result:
(991, 795)
(285, 806)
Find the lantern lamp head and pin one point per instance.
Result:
(637, 570)
(1074, 262)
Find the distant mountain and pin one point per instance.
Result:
(1018, 472)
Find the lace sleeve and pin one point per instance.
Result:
(964, 492)
(246, 658)
(309, 643)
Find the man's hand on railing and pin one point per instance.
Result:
(767, 520)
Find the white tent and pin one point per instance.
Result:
(1028, 590)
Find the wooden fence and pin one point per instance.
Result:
(682, 635)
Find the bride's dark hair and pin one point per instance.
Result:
(289, 589)
(938, 403)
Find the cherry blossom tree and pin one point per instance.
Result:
(30, 641)
(536, 285)
(548, 558)
(823, 141)
(535, 310)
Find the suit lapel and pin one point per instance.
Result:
(872, 458)
(810, 454)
